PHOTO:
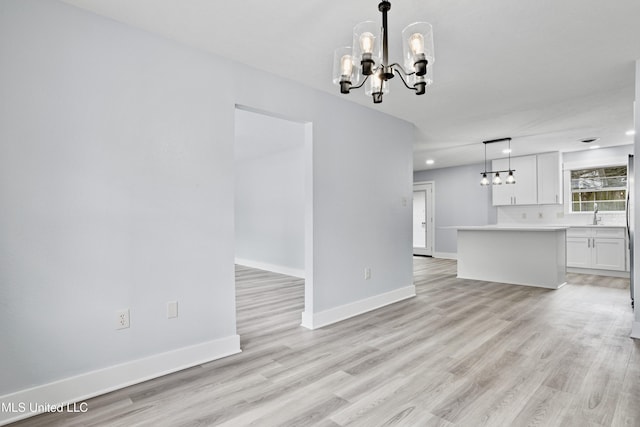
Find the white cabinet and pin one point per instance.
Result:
(602, 248)
(578, 252)
(609, 254)
(549, 179)
(538, 180)
(524, 191)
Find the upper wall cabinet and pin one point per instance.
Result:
(549, 179)
(525, 190)
(538, 180)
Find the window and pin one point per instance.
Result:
(606, 186)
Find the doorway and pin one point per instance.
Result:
(423, 226)
(273, 199)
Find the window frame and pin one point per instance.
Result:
(623, 200)
(604, 162)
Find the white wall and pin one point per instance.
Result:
(459, 200)
(116, 187)
(270, 193)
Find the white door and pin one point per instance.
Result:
(423, 219)
(419, 219)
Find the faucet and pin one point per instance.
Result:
(595, 213)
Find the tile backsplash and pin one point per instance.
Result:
(553, 214)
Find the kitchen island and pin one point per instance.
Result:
(519, 255)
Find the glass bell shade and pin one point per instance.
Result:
(484, 181)
(417, 47)
(496, 179)
(510, 178)
(345, 73)
(420, 83)
(367, 46)
(376, 85)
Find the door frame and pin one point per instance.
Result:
(307, 274)
(430, 217)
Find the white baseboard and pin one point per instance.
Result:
(635, 330)
(445, 255)
(334, 315)
(18, 405)
(289, 271)
(596, 272)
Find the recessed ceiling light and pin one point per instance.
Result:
(594, 147)
(630, 132)
(588, 140)
(506, 150)
(430, 161)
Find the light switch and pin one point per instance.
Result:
(172, 309)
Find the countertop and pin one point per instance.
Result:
(513, 227)
(526, 227)
(598, 226)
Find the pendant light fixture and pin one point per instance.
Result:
(497, 179)
(368, 58)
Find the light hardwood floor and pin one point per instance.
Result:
(462, 353)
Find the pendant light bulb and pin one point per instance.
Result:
(416, 42)
(510, 179)
(366, 42)
(346, 65)
(484, 181)
(497, 180)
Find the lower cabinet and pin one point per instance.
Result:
(578, 252)
(602, 248)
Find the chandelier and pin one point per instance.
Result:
(368, 59)
(497, 180)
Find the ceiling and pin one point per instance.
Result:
(545, 73)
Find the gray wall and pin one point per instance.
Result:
(362, 171)
(459, 200)
(269, 192)
(116, 187)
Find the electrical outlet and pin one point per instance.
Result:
(559, 215)
(540, 215)
(367, 273)
(172, 309)
(122, 319)
(524, 215)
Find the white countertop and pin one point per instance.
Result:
(513, 227)
(597, 226)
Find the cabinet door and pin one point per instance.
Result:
(609, 254)
(579, 252)
(549, 179)
(502, 194)
(525, 190)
